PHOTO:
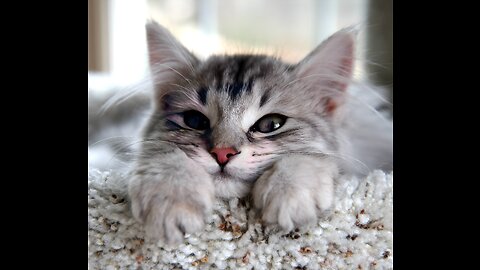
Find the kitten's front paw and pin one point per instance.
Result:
(169, 220)
(167, 212)
(293, 198)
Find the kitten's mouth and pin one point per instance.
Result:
(232, 175)
(223, 173)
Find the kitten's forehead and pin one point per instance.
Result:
(235, 75)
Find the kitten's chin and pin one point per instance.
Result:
(229, 187)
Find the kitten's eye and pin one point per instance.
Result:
(269, 123)
(196, 120)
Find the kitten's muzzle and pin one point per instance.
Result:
(223, 155)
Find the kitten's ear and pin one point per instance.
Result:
(166, 54)
(327, 70)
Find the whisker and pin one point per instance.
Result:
(109, 138)
(344, 157)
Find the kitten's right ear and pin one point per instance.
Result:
(166, 54)
(328, 69)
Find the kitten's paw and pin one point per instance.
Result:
(168, 213)
(170, 220)
(291, 198)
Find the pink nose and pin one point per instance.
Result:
(222, 155)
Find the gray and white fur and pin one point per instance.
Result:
(330, 127)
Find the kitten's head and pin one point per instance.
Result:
(235, 115)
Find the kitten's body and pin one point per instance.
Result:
(315, 130)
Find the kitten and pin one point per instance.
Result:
(233, 125)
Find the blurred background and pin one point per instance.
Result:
(117, 51)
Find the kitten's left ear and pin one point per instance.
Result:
(167, 55)
(328, 69)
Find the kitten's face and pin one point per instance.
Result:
(257, 106)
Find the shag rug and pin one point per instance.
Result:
(358, 233)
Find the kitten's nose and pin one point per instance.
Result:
(222, 155)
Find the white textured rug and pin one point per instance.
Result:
(357, 235)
